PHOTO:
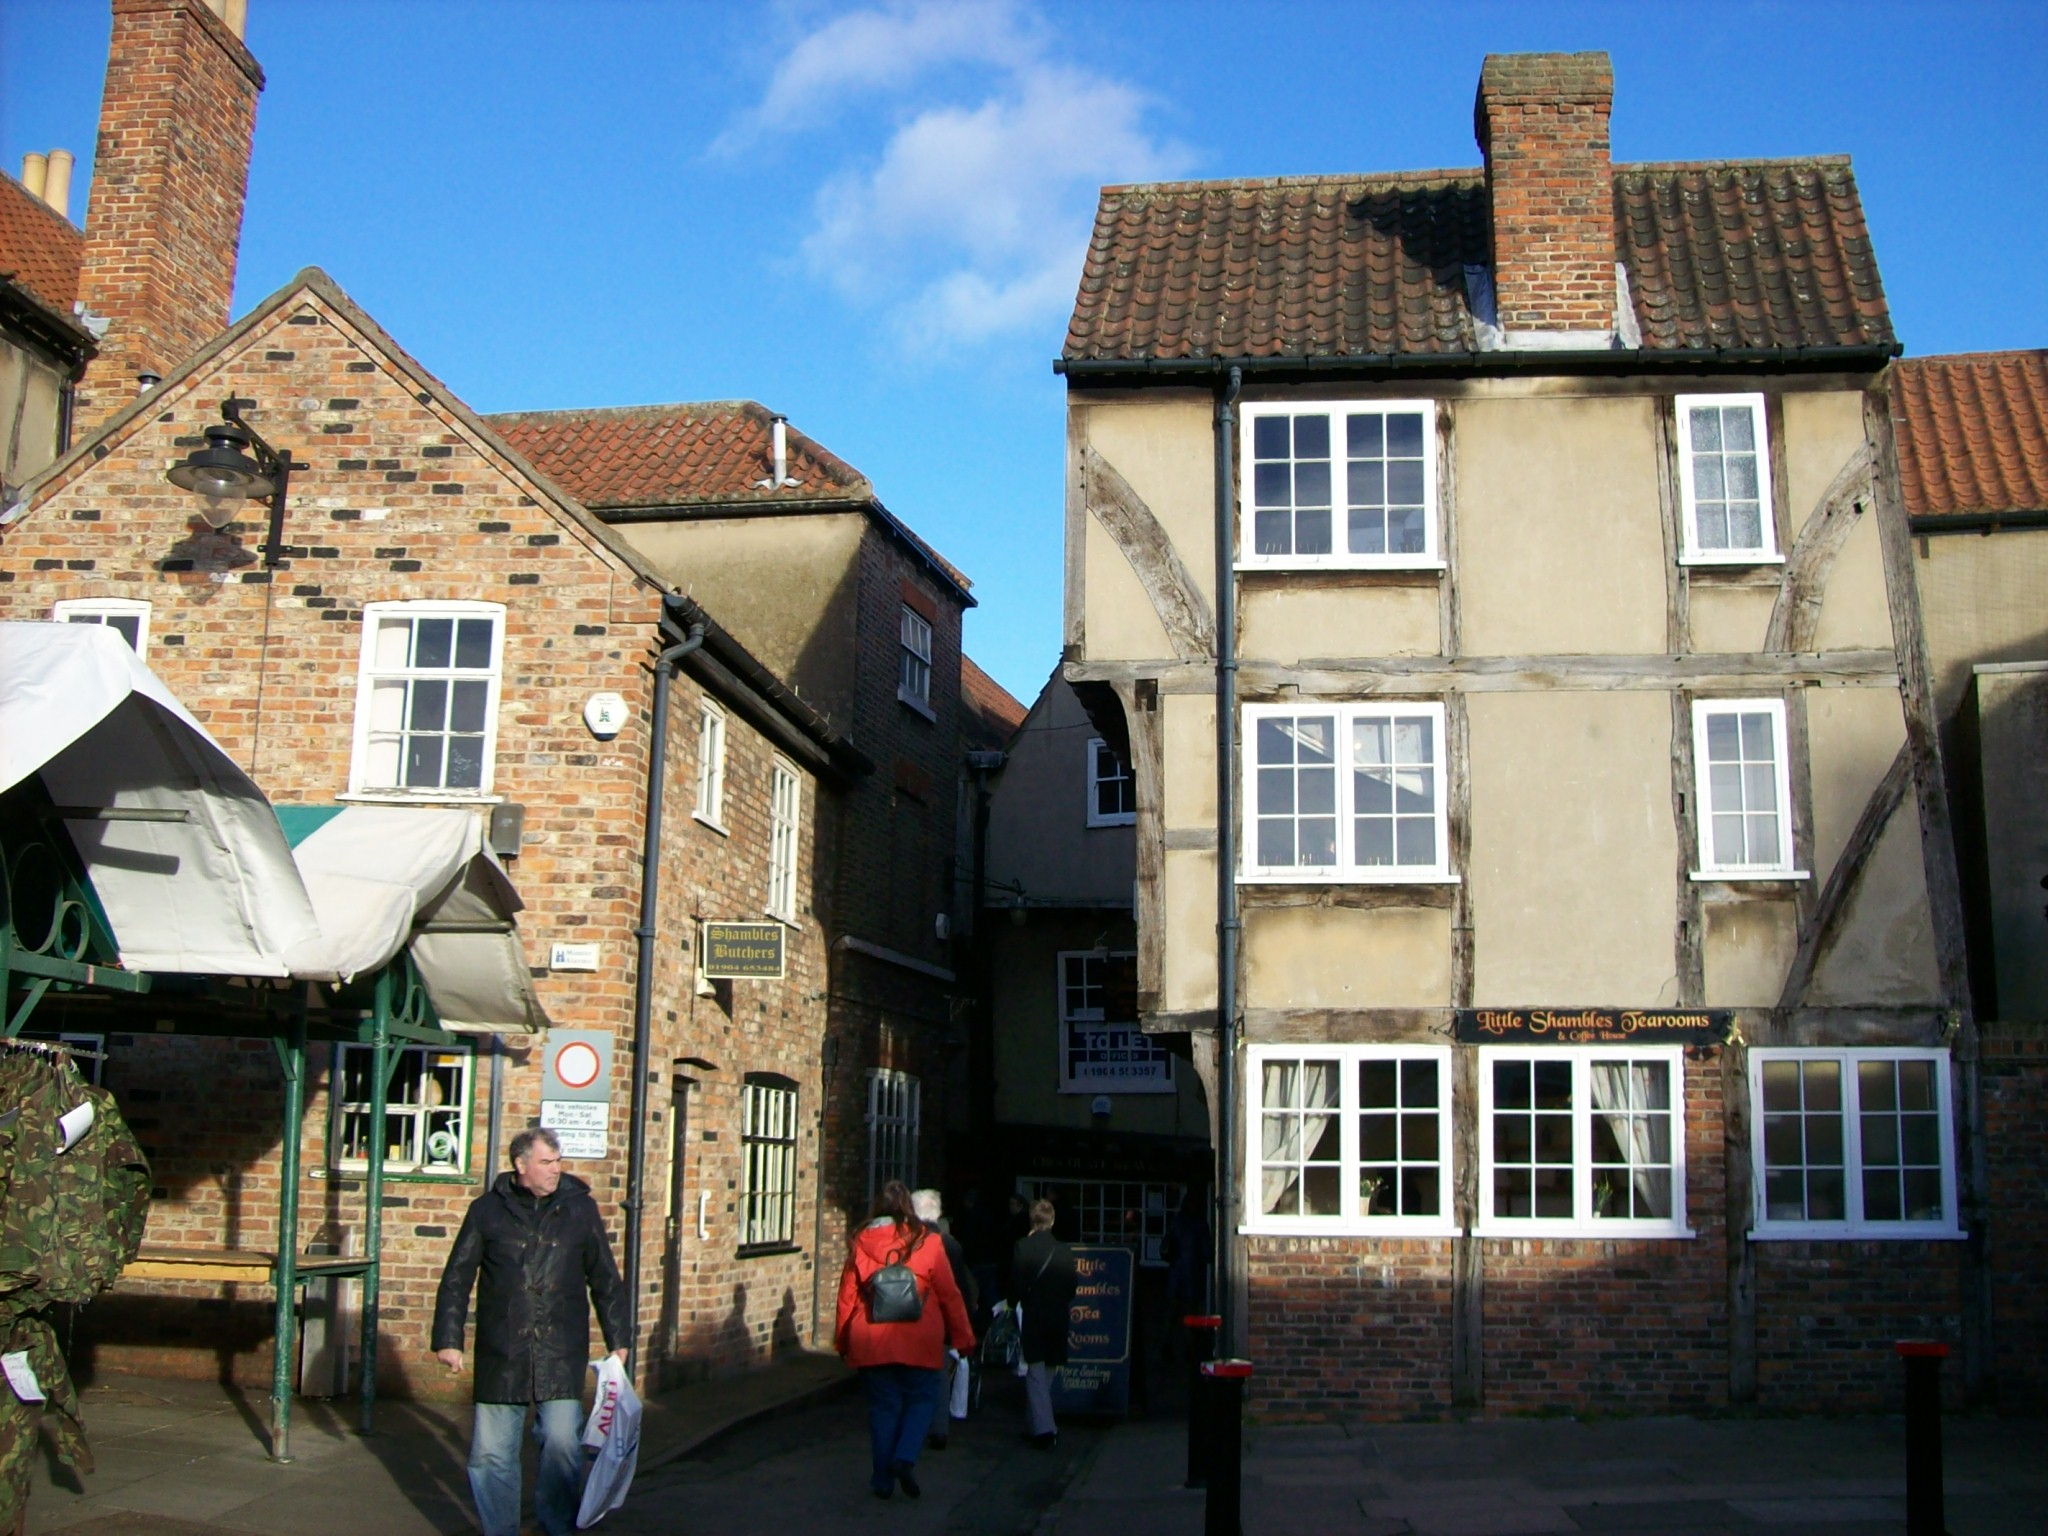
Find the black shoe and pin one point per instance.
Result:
(935, 1442)
(881, 1493)
(906, 1477)
(1045, 1442)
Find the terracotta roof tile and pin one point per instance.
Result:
(714, 452)
(1736, 254)
(993, 712)
(1972, 432)
(40, 249)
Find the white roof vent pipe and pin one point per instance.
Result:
(779, 477)
(57, 183)
(35, 173)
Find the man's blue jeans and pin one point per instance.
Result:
(900, 1403)
(494, 1465)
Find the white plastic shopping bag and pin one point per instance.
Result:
(957, 1407)
(613, 1432)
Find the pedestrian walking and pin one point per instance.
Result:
(534, 1246)
(931, 1210)
(899, 1311)
(1042, 1281)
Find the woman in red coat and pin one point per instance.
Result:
(899, 1363)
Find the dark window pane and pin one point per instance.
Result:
(433, 642)
(1420, 1192)
(1781, 1085)
(1311, 485)
(1881, 1140)
(1318, 791)
(1318, 840)
(1369, 485)
(470, 697)
(1553, 1192)
(1276, 741)
(1376, 1084)
(1923, 1194)
(423, 763)
(1373, 845)
(1881, 1195)
(1415, 844)
(1376, 1190)
(1276, 843)
(1276, 792)
(1404, 483)
(1376, 1137)
(1418, 1084)
(1272, 485)
(1922, 1141)
(1366, 436)
(1824, 1195)
(1273, 533)
(1373, 792)
(1404, 434)
(1824, 1141)
(1916, 1085)
(1553, 1139)
(1553, 1084)
(1405, 534)
(1782, 1141)
(1368, 533)
(1653, 1194)
(1511, 1084)
(1322, 1193)
(429, 711)
(1877, 1086)
(1785, 1196)
(1823, 1081)
(465, 762)
(1269, 437)
(473, 643)
(1511, 1192)
(1312, 532)
(1311, 437)
(1512, 1141)
(1418, 1138)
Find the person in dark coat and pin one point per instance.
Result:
(538, 1241)
(1042, 1280)
(930, 1206)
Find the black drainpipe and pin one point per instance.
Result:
(643, 980)
(1230, 1345)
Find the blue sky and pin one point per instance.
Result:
(870, 217)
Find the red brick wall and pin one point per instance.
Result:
(1346, 1329)
(1541, 119)
(169, 177)
(402, 501)
(2015, 1078)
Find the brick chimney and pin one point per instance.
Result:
(1541, 119)
(169, 179)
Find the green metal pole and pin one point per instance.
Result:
(291, 1056)
(373, 1222)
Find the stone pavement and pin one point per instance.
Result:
(178, 1458)
(1622, 1477)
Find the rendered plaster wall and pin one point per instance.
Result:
(1560, 542)
(1981, 599)
(2012, 716)
(1729, 618)
(1292, 618)
(1746, 950)
(1346, 958)
(1189, 928)
(1040, 846)
(1573, 848)
(1165, 448)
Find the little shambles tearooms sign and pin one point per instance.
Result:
(743, 951)
(1593, 1026)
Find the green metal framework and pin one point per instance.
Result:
(57, 946)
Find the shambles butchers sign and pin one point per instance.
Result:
(1593, 1026)
(748, 951)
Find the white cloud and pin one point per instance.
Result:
(971, 220)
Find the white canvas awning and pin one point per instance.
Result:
(383, 876)
(211, 887)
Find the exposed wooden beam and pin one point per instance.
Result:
(1183, 612)
(1817, 934)
(1688, 942)
(1795, 617)
(1422, 676)
(1148, 773)
(1366, 898)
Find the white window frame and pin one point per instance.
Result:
(1854, 1225)
(710, 807)
(1348, 1222)
(785, 829)
(895, 1111)
(1787, 865)
(1582, 1222)
(102, 610)
(914, 660)
(769, 1131)
(1097, 1020)
(1691, 551)
(425, 1118)
(1098, 753)
(1345, 871)
(368, 675)
(1339, 413)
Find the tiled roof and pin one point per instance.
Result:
(714, 452)
(993, 712)
(38, 248)
(1972, 432)
(1765, 253)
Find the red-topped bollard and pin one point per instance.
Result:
(1223, 1382)
(1201, 1349)
(1924, 1499)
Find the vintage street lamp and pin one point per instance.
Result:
(237, 466)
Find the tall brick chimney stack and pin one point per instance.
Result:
(1541, 119)
(164, 222)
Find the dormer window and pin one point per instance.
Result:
(1349, 485)
(1724, 478)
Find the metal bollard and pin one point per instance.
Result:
(1201, 1348)
(1924, 1501)
(1224, 1380)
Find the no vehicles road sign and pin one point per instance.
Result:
(579, 1066)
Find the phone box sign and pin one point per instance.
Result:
(578, 1066)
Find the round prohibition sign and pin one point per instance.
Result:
(577, 1064)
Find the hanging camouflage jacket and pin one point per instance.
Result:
(69, 1221)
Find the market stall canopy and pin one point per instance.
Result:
(382, 876)
(79, 709)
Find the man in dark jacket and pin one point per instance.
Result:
(539, 1241)
(1043, 1276)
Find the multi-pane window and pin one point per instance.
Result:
(895, 1101)
(1353, 1138)
(1112, 792)
(1744, 789)
(1346, 792)
(1725, 479)
(711, 765)
(1102, 1050)
(427, 698)
(1852, 1143)
(1349, 484)
(127, 617)
(914, 660)
(426, 1110)
(1115, 1213)
(1584, 1141)
(768, 1132)
(785, 797)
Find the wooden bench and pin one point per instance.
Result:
(247, 1266)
